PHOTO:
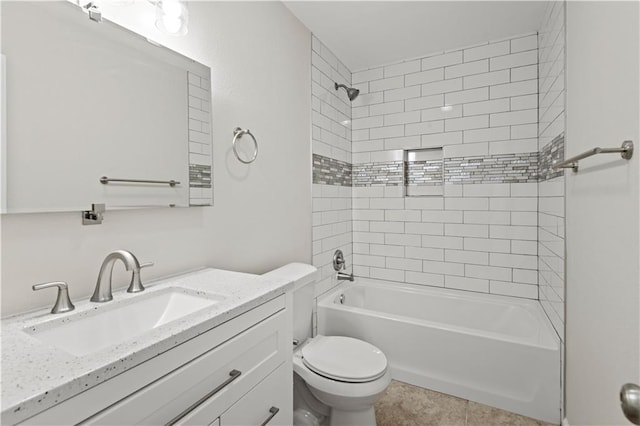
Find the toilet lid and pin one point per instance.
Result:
(344, 358)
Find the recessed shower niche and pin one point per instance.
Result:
(423, 173)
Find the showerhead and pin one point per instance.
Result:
(351, 92)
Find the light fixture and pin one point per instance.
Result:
(172, 17)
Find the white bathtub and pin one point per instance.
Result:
(499, 351)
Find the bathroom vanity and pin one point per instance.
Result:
(226, 362)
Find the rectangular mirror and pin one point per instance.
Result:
(85, 100)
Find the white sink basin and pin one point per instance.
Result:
(117, 322)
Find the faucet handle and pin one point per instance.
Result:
(135, 286)
(63, 303)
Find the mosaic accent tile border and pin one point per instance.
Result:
(199, 176)
(428, 172)
(329, 171)
(551, 152)
(368, 174)
(502, 168)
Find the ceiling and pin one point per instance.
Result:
(364, 34)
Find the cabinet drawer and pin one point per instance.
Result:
(272, 396)
(253, 353)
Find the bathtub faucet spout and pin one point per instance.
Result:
(343, 276)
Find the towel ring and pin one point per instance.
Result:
(237, 134)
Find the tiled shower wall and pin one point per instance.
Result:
(551, 145)
(331, 148)
(479, 104)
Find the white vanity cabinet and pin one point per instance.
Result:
(238, 373)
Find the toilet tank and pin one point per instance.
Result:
(304, 278)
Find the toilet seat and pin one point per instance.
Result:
(344, 359)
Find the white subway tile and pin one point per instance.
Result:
(386, 108)
(524, 131)
(515, 146)
(360, 157)
(524, 73)
(387, 274)
(486, 107)
(406, 142)
(403, 216)
(359, 112)
(424, 77)
(424, 128)
(359, 135)
(434, 241)
(466, 230)
(424, 102)
(514, 232)
(486, 79)
(402, 68)
(513, 289)
(525, 276)
(403, 240)
(529, 204)
(488, 272)
(487, 217)
(447, 268)
(367, 191)
(524, 247)
(466, 150)
(521, 261)
(424, 228)
(464, 283)
(404, 264)
(368, 99)
(367, 75)
(441, 113)
(467, 68)
(366, 123)
(441, 139)
(368, 237)
(484, 135)
(386, 84)
(486, 190)
(427, 203)
(424, 278)
(438, 87)
(385, 156)
(526, 87)
(525, 116)
(385, 250)
(360, 226)
(486, 51)
(465, 96)
(467, 203)
(387, 132)
(463, 256)
(524, 43)
(524, 218)
(368, 214)
(402, 118)
(362, 248)
(487, 244)
(394, 192)
(442, 216)
(370, 145)
(387, 203)
(466, 123)
(442, 60)
(423, 253)
(401, 94)
(529, 57)
(524, 189)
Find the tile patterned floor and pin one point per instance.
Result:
(407, 405)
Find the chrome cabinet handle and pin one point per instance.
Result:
(63, 303)
(233, 374)
(273, 411)
(630, 402)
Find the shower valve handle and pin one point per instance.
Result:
(338, 261)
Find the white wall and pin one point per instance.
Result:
(603, 290)
(481, 234)
(259, 56)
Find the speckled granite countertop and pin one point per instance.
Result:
(36, 376)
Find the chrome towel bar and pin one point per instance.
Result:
(626, 152)
(105, 180)
(237, 134)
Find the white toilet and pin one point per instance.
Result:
(337, 379)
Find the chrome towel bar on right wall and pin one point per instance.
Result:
(626, 152)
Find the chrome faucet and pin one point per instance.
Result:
(102, 292)
(343, 276)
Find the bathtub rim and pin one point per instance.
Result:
(550, 341)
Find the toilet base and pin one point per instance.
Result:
(365, 417)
